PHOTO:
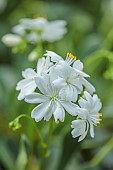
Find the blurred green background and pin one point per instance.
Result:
(90, 38)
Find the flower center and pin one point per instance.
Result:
(67, 80)
(70, 58)
(54, 97)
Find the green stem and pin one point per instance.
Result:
(46, 149)
(34, 125)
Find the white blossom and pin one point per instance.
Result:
(89, 116)
(40, 29)
(28, 85)
(71, 79)
(50, 103)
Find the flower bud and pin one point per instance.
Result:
(11, 40)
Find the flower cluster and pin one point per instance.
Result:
(62, 87)
(35, 30)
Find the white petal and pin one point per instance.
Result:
(21, 96)
(43, 84)
(40, 65)
(70, 107)
(36, 98)
(29, 88)
(79, 130)
(40, 111)
(63, 70)
(75, 133)
(83, 113)
(53, 74)
(81, 73)
(84, 134)
(84, 103)
(29, 73)
(77, 123)
(49, 113)
(59, 83)
(69, 92)
(91, 129)
(21, 84)
(96, 103)
(59, 113)
(89, 87)
(78, 65)
(54, 57)
(50, 35)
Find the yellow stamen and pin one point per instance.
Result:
(100, 114)
(95, 124)
(71, 56)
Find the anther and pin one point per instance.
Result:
(71, 56)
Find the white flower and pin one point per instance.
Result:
(38, 29)
(11, 40)
(77, 66)
(28, 85)
(50, 103)
(89, 114)
(70, 79)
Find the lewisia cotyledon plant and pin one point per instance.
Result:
(62, 86)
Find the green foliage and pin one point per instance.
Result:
(22, 157)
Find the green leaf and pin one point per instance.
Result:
(6, 158)
(22, 158)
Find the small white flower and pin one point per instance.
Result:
(11, 40)
(77, 66)
(38, 29)
(70, 79)
(89, 114)
(28, 85)
(50, 103)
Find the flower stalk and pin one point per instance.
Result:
(46, 149)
